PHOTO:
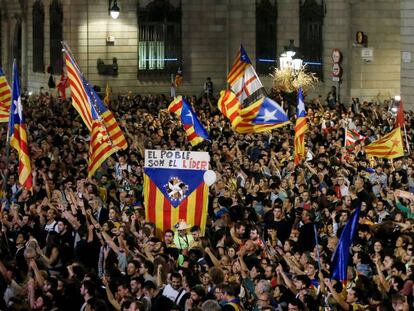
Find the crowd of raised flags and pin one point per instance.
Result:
(245, 105)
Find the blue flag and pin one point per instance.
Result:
(300, 110)
(341, 255)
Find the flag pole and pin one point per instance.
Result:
(406, 140)
(6, 175)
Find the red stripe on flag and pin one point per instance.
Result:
(167, 214)
(152, 198)
(182, 213)
(373, 148)
(199, 204)
(373, 153)
(176, 107)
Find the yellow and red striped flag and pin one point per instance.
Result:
(194, 130)
(262, 115)
(18, 133)
(5, 98)
(174, 188)
(390, 146)
(300, 129)
(106, 135)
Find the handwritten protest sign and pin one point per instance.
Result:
(190, 160)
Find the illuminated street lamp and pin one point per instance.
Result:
(290, 58)
(114, 9)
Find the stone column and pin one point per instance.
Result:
(407, 49)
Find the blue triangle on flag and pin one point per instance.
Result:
(270, 112)
(175, 184)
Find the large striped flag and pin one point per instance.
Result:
(18, 133)
(300, 129)
(262, 115)
(174, 188)
(106, 135)
(390, 146)
(195, 131)
(242, 77)
(5, 98)
(351, 138)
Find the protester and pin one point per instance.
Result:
(83, 244)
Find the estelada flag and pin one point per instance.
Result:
(5, 98)
(18, 133)
(194, 130)
(390, 146)
(262, 115)
(300, 129)
(174, 188)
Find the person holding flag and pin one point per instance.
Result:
(18, 134)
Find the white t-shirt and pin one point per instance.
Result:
(172, 293)
(51, 227)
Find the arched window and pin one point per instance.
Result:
(56, 36)
(312, 13)
(159, 45)
(266, 35)
(38, 36)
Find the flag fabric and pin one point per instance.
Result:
(351, 138)
(106, 135)
(178, 80)
(5, 98)
(263, 115)
(341, 256)
(194, 130)
(107, 99)
(242, 77)
(174, 194)
(160, 210)
(18, 133)
(63, 85)
(80, 99)
(300, 129)
(390, 146)
(399, 119)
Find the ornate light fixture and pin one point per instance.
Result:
(114, 9)
(290, 58)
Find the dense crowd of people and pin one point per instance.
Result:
(83, 244)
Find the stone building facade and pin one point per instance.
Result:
(211, 32)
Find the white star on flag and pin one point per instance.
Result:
(190, 115)
(18, 110)
(269, 115)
